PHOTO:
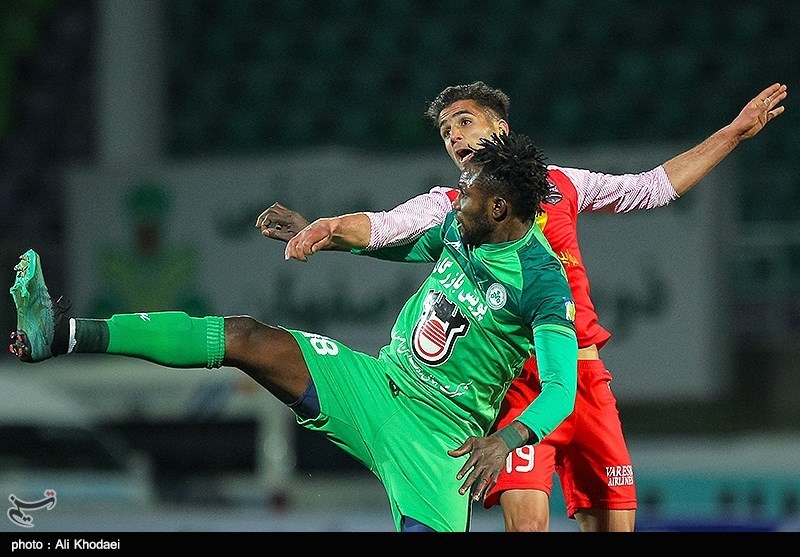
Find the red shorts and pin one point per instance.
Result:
(587, 451)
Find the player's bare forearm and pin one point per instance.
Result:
(687, 169)
(281, 223)
(344, 232)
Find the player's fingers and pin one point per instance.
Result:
(465, 448)
(770, 91)
(293, 251)
(771, 96)
(263, 219)
(275, 212)
(320, 243)
(482, 487)
(477, 481)
(467, 485)
(296, 256)
(468, 465)
(778, 89)
(276, 234)
(778, 97)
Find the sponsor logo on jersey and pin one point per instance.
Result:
(437, 329)
(570, 307)
(567, 259)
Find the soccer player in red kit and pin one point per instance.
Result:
(588, 450)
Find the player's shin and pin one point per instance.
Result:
(171, 338)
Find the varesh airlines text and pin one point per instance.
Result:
(65, 543)
(619, 475)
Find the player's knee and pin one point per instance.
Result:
(527, 524)
(525, 510)
(242, 333)
(526, 518)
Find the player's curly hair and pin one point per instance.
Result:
(513, 167)
(489, 98)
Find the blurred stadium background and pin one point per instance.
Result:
(139, 141)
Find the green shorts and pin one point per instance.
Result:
(401, 438)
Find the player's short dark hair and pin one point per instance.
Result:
(492, 99)
(513, 167)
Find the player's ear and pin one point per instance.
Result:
(499, 209)
(503, 125)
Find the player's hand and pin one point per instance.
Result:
(280, 223)
(761, 109)
(487, 456)
(314, 237)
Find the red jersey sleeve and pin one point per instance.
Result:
(560, 226)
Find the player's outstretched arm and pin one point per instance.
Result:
(335, 233)
(687, 169)
(374, 230)
(339, 233)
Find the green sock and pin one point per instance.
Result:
(169, 338)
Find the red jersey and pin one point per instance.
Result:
(559, 222)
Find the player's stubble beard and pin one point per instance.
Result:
(476, 232)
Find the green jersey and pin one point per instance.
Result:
(463, 337)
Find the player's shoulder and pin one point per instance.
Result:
(536, 254)
(563, 184)
(444, 191)
(563, 176)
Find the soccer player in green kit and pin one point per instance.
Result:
(418, 414)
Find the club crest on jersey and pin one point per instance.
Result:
(437, 329)
(554, 195)
(496, 296)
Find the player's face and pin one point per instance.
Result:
(461, 127)
(471, 204)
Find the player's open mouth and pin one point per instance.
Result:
(464, 155)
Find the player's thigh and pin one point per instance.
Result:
(419, 475)
(355, 397)
(527, 468)
(595, 467)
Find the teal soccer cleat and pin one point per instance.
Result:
(36, 318)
